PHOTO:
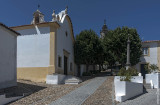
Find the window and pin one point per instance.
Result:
(70, 66)
(145, 51)
(66, 33)
(59, 61)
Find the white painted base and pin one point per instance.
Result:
(62, 79)
(153, 78)
(55, 79)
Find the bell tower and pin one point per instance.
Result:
(104, 30)
(38, 17)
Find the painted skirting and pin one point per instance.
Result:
(36, 74)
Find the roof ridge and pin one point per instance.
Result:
(9, 28)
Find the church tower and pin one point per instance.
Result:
(38, 17)
(104, 30)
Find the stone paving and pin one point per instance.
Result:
(103, 95)
(41, 93)
(79, 95)
(149, 98)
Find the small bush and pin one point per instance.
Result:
(126, 75)
(86, 74)
(94, 71)
(121, 72)
(151, 68)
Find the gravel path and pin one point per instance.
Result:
(149, 98)
(79, 95)
(45, 95)
(103, 95)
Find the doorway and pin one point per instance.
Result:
(65, 65)
(143, 71)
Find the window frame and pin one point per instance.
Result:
(144, 49)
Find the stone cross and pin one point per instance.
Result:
(128, 54)
(38, 6)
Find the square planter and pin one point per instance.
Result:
(125, 90)
(153, 79)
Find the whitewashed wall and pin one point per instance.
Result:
(65, 42)
(152, 58)
(8, 49)
(43, 30)
(33, 50)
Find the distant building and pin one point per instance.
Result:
(104, 30)
(45, 48)
(8, 57)
(151, 55)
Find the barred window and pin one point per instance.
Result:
(145, 51)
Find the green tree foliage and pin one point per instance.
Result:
(115, 46)
(87, 48)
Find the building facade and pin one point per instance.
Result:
(8, 57)
(45, 48)
(151, 55)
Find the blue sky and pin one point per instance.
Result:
(144, 15)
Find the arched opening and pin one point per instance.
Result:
(36, 19)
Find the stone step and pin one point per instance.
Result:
(72, 80)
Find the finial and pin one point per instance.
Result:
(38, 6)
(54, 16)
(53, 12)
(66, 10)
(104, 21)
(67, 7)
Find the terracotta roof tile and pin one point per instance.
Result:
(149, 41)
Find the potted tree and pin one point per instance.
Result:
(127, 84)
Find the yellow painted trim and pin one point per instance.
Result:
(158, 57)
(36, 74)
(30, 26)
(53, 49)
